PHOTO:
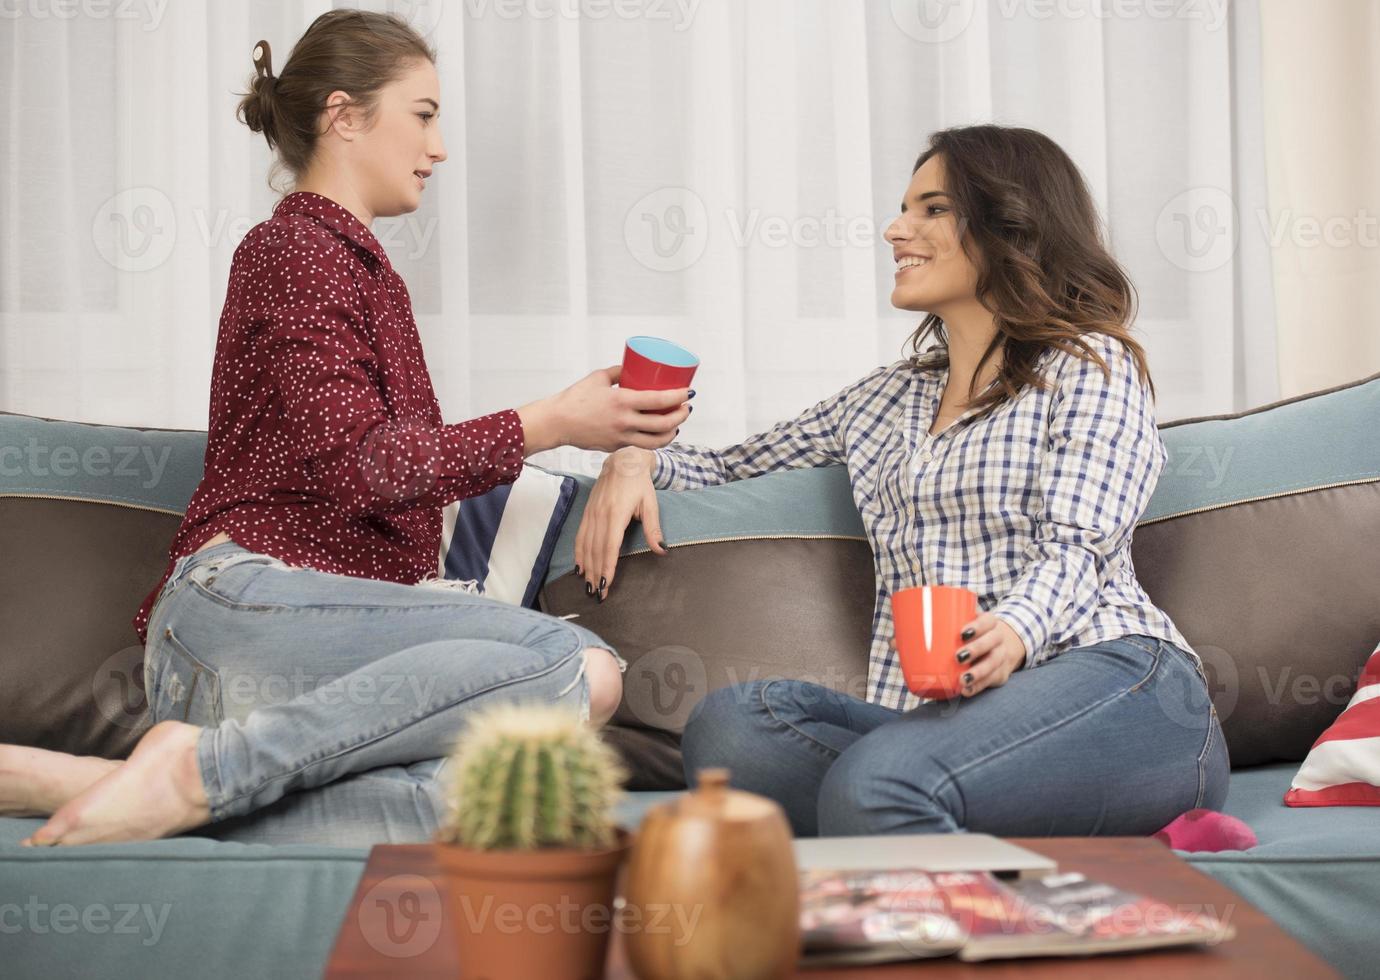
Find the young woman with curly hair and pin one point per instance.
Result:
(1012, 457)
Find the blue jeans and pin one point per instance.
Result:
(1119, 737)
(330, 702)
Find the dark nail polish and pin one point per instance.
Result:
(692, 408)
(963, 656)
(967, 634)
(577, 573)
(603, 581)
(589, 589)
(967, 678)
(692, 392)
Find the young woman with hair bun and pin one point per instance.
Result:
(305, 682)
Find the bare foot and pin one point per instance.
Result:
(156, 793)
(35, 782)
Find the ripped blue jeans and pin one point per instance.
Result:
(329, 702)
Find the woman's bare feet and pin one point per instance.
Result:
(156, 793)
(35, 782)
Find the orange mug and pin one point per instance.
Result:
(928, 620)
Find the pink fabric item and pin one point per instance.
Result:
(1207, 830)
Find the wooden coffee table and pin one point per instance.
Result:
(398, 924)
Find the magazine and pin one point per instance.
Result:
(851, 917)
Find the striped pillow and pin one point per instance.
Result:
(1343, 768)
(501, 542)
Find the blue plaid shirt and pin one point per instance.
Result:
(1031, 507)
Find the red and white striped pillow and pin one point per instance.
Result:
(1343, 767)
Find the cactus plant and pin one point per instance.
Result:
(531, 776)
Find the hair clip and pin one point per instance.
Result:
(263, 59)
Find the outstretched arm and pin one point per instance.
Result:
(323, 368)
(813, 438)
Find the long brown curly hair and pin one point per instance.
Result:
(1029, 226)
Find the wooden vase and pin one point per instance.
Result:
(712, 891)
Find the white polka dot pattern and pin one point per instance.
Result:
(325, 446)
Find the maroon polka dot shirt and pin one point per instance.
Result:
(325, 446)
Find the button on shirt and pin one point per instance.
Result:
(1031, 506)
(325, 446)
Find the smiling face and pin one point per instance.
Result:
(933, 272)
(395, 155)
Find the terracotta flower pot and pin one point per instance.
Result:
(544, 914)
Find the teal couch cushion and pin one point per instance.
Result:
(190, 907)
(180, 908)
(154, 469)
(1322, 439)
(1310, 833)
(1316, 871)
(808, 503)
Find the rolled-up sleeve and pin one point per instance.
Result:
(324, 370)
(1099, 468)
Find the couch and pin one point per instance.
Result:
(1259, 541)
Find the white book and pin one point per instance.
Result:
(922, 852)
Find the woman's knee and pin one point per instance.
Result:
(871, 790)
(723, 722)
(605, 684)
(557, 641)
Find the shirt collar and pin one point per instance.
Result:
(335, 217)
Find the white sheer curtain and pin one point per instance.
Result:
(714, 171)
